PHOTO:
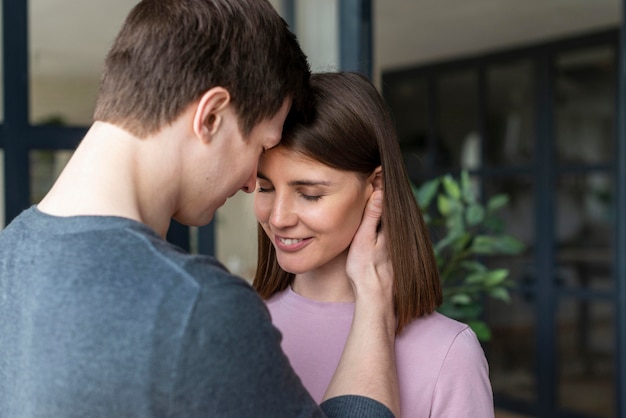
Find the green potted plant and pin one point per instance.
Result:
(466, 232)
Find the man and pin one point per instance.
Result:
(99, 315)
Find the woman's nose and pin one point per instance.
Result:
(282, 214)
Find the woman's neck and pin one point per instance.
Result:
(328, 283)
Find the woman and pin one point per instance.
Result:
(311, 192)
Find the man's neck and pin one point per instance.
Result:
(105, 177)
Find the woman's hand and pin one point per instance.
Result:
(369, 265)
(369, 354)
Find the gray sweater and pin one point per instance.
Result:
(100, 317)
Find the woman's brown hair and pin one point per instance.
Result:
(352, 130)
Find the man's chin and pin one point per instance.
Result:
(198, 221)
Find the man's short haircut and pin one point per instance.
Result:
(170, 52)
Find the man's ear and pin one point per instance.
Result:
(209, 112)
(376, 178)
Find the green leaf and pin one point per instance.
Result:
(462, 313)
(504, 244)
(475, 214)
(483, 244)
(448, 207)
(461, 299)
(476, 277)
(509, 245)
(496, 277)
(500, 293)
(493, 224)
(496, 202)
(474, 266)
(481, 330)
(426, 192)
(455, 224)
(451, 187)
(466, 188)
(462, 241)
(444, 242)
(444, 204)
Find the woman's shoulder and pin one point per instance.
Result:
(435, 330)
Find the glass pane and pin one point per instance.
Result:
(459, 144)
(407, 98)
(68, 43)
(45, 167)
(518, 216)
(317, 29)
(586, 357)
(235, 235)
(510, 114)
(511, 351)
(585, 103)
(584, 229)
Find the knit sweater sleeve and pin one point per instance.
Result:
(355, 406)
(231, 365)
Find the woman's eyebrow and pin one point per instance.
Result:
(309, 183)
(262, 176)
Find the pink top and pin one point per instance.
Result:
(442, 369)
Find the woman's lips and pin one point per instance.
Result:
(290, 244)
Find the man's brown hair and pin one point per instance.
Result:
(170, 52)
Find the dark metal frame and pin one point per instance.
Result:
(355, 33)
(355, 36)
(546, 294)
(620, 224)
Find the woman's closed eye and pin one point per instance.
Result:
(310, 198)
(263, 187)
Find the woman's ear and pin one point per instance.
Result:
(209, 112)
(376, 178)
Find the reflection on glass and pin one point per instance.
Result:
(45, 167)
(459, 144)
(518, 216)
(510, 114)
(67, 45)
(585, 355)
(511, 351)
(407, 98)
(584, 228)
(584, 108)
